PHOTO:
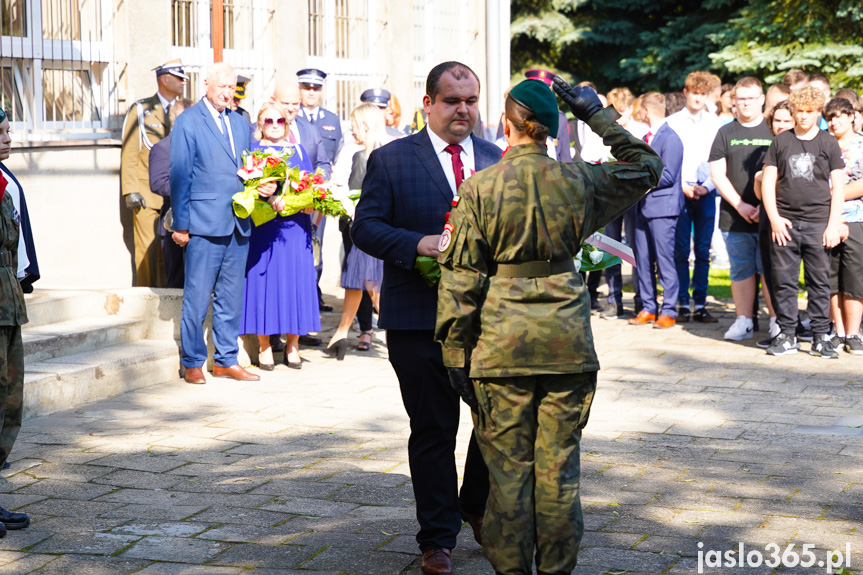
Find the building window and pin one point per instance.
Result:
(352, 25)
(56, 67)
(316, 27)
(184, 23)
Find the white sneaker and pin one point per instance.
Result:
(774, 328)
(741, 329)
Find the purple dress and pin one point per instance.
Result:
(281, 294)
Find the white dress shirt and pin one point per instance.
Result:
(215, 114)
(697, 134)
(467, 158)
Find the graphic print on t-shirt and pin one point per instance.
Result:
(802, 166)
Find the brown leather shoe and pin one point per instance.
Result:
(194, 375)
(642, 318)
(664, 321)
(437, 561)
(235, 372)
(475, 522)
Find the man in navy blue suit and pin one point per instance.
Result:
(656, 220)
(207, 144)
(407, 193)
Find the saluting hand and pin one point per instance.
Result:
(582, 100)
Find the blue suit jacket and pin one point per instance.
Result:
(329, 129)
(204, 173)
(406, 196)
(314, 146)
(666, 199)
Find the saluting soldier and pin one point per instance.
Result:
(13, 313)
(514, 317)
(146, 123)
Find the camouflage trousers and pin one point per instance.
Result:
(529, 431)
(11, 387)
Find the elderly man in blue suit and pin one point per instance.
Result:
(406, 195)
(656, 220)
(207, 144)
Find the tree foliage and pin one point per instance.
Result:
(653, 45)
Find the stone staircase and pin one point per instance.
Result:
(82, 346)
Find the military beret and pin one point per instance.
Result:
(377, 96)
(2, 114)
(536, 97)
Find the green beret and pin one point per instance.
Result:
(536, 96)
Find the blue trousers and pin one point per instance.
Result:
(696, 221)
(215, 266)
(654, 253)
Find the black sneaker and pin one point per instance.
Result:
(703, 316)
(613, 311)
(853, 345)
(803, 333)
(823, 348)
(783, 345)
(765, 343)
(837, 341)
(683, 314)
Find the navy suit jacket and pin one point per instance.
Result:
(406, 196)
(31, 273)
(160, 176)
(314, 146)
(204, 173)
(666, 199)
(329, 129)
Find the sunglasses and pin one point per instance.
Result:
(270, 121)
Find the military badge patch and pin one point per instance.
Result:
(446, 237)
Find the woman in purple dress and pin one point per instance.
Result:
(281, 295)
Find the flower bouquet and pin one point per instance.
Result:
(302, 190)
(259, 167)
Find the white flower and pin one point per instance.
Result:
(578, 263)
(578, 255)
(595, 257)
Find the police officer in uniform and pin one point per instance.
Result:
(13, 313)
(330, 129)
(514, 318)
(380, 98)
(146, 123)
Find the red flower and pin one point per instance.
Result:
(324, 196)
(318, 179)
(272, 162)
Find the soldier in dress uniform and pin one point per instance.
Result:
(146, 123)
(329, 127)
(13, 313)
(514, 318)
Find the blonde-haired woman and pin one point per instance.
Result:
(361, 271)
(281, 295)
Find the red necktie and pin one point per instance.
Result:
(647, 137)
(455, 150)
(291, 137)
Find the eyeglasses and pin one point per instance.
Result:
(270, 121)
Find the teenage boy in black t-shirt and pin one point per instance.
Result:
(804, 218)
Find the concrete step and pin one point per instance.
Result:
(63, 338)
(53, 306)
(72, 380)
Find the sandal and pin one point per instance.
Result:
(365, 345)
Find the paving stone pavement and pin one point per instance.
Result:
(691, 440)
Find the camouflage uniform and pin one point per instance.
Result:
(525, 334)
(13, 314)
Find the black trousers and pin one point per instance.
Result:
(433, 408)
(805, 245)
(172, 255)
